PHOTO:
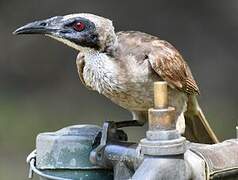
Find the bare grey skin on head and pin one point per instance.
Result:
(123, 67)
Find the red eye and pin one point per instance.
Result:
(79, 26)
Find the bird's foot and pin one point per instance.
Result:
(129, 123)
(110, 132)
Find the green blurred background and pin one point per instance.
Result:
(40, 89)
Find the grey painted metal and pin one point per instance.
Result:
(200, 161)
(115, 152)
(163, 168)
(71, 147)
(109, 134)
(221, 160)
(64, 155)
(124, 152)
(128, 158)
(66, 174)
(42, 174)
(67, 148)
(69, 174)
(164, 147)
(197, 164)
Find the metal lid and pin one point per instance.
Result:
(68, 148)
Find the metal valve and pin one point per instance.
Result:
(161, 117)
(162, 138)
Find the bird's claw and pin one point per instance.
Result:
(109, 133)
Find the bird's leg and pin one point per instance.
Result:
(111, 132)
(110, 129)
(139, 119)
(108, 133)
(129, 123)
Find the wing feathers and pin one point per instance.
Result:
(169, 64)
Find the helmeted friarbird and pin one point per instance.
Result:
(123, 66)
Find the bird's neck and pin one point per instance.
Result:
(109, 49)
(99, 68)
(111, 44)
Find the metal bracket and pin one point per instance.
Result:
(109, 134)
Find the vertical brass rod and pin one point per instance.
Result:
(160, 95)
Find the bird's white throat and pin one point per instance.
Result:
(69, 43)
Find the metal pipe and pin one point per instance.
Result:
(123, 153)
(111, 154)
(122, 157)
(160, 168)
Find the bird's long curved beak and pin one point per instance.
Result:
(37, 27)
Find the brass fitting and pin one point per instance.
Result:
(161, 117)
(160, 95)
(162, 138)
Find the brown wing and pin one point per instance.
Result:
(169, 64)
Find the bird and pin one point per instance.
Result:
(123, 66)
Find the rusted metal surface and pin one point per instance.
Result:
(162, 119)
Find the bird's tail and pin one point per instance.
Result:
(197, 127)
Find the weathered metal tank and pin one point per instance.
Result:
(64, 155)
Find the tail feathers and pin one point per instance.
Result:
(197, 127)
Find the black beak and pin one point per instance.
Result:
(37, 27)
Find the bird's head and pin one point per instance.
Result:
(78, 31)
